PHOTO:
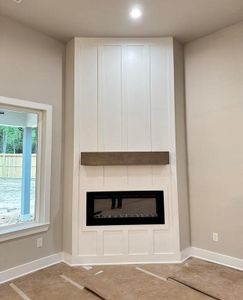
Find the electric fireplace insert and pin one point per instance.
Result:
(125, 208)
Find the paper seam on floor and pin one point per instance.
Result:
(151, 274)
(19, 291)
(191, 287)
(72, 282)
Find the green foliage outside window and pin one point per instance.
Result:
(11, 140)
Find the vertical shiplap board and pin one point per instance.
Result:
(138, 109)
(159, 104)
(110, 108)
(160, 174)
(140, 176)
(87, 87)
(87, 80)
(115, 176)
(137, 98)
(91, 176)
(159, 98)
(110, 98)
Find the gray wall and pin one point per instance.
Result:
(214, 93)
(68, 148)
(31, 68)
(181, 146)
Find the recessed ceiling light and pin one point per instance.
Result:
(18, 1)
(136, 13)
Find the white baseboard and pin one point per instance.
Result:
(214, 257)
(185, 254)
(47, 261)
(67, 258)
(30, 267)
(217, 258)
(77, 260)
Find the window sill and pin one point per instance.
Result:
(22, 230)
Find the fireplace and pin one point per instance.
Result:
(125, 208)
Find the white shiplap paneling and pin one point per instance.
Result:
(159, 98)
(110, 98)
(87, 78)
(124, 105)
(137, 97)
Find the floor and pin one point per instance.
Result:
(193, 280)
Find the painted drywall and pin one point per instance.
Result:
(31, 67)
(181, 145)
(68, 148)
(214, 93)
(186, 20)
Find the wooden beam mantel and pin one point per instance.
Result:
(124, 158)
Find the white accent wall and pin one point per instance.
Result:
(121, 96)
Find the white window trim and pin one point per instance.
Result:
(44, 171)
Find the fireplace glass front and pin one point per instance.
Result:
(125, 208)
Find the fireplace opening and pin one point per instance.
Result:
(125, 208)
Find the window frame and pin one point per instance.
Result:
(43, 178)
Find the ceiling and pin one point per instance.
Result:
(184, 19)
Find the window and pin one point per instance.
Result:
(18, 156)
(25, 158)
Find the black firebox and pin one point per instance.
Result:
(125, 208)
